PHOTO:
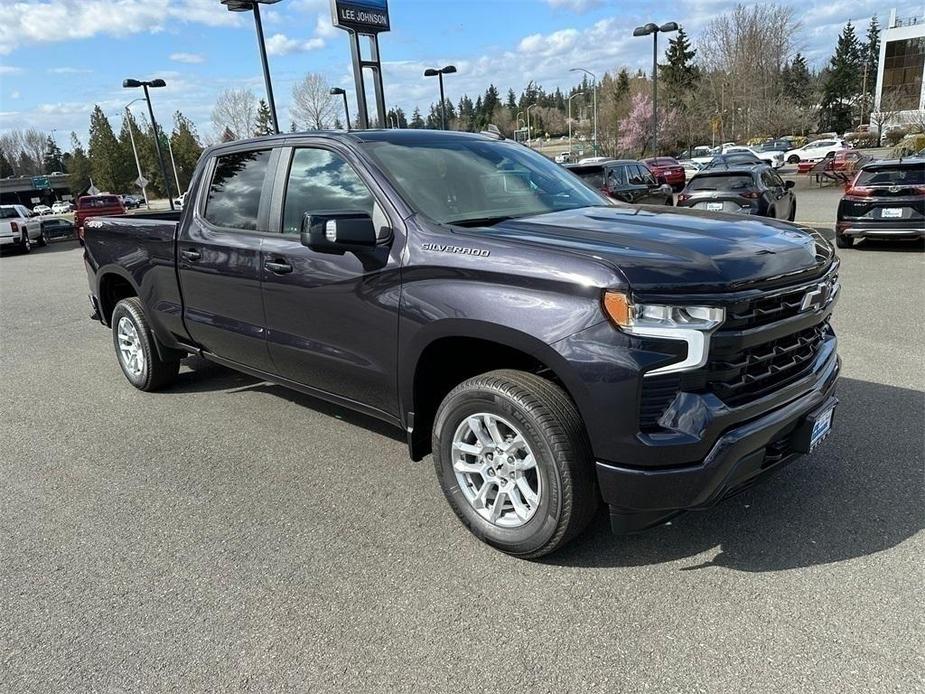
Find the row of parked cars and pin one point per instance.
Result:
(738, 181)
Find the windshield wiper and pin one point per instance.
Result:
(480, 221)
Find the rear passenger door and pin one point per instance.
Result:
(219, 257)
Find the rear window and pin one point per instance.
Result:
(594, 178)
(8, 213)
(728, 182)
(893, 176)
(234, 196)
(99, 201)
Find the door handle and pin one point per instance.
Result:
(191, 254)
(278, 267)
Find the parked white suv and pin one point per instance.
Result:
(19, 229)
(814, 151)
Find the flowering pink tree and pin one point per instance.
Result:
(636, 127)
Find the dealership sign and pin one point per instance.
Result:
(362, 16)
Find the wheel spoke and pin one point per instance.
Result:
(467, 468)
(482, 495)
(520, 508)
(467, 448)
(498, 506)
(528, 463)
(528, 494)
(475, 424)
(492, 425)
(514, 444)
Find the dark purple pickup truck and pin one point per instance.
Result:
(551, 348)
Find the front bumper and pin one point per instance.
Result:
(642, 497)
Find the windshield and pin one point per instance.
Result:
(471, 181)
(730, 182)
(893, 176)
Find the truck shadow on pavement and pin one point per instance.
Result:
(859, 494)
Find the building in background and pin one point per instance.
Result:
(900, 95)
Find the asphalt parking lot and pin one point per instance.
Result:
(229, 535)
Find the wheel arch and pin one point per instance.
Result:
(113, 285)
(452, 351)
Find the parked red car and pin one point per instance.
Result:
(669, 169)
(96, 206)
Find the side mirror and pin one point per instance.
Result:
(338, 230)
(789, 184)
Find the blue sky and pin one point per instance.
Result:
(58, 58)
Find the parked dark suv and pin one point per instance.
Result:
(885, 200)
(755, 190)
(625, 180)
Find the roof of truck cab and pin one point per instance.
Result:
(397, 135)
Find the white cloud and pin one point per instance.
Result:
(69, 71)
(280, 44)
(324, 28)
(27, 23)
(190, 58)
(575, 5)
(15, 94)
(9, 70)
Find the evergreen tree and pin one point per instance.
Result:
(679, 74)
(512, 102)
(338, 125)
(489, 103)
(842, 84)
(228, 136)
(6, 169)
(108, 164)
(264, 120)
(78, 167)
(416, 121)
(466, 114)
(186, 149)
(52, 159)
(292, 127)
(622, 86)
(797, 82)
(870, 60)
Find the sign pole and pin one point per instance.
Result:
(362, 111)
(366, 18)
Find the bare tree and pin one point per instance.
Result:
(235, 111)
(24, 150)
(313, 107)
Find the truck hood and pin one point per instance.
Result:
(659, 248)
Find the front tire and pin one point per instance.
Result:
(514, 462)
(136, 351)
(793, 160)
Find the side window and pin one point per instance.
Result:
(646, 176)
(321, 180)
(768, 179)
(234, 195)
(635, 177)
(616, 177)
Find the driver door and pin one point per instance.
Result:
(332, 316)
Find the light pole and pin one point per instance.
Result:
(570, 121)
(594, 92)
(154, 84)
(439, 73)
(655, 30)
(337, 91)
(528, 121)
(131, 134)
(173, 163)
(254, 6)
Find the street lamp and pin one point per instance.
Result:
(570, 121)
(528, 121)
(594, 92)
(248, 6)
(439, 73)
(131, 134)
(153, 84)
(655, 30)
(337, 91)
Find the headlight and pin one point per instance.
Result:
(690, 324)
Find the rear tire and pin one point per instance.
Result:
(793, 213)
(26, 245)
(136, 350)
(551, 474)
(43, 240)
(844, 241)
(793, 160)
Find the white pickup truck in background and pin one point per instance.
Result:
(19, 228)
